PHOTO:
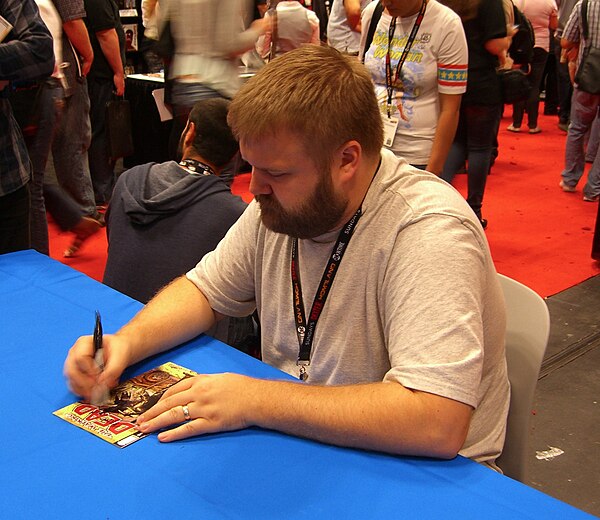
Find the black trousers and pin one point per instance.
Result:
(14, 221)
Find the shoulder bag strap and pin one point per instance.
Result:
(584, 21)
(372, 27)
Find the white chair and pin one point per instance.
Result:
(527, 331)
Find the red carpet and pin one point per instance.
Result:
(538, 234)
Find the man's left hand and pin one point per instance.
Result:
(213, 403)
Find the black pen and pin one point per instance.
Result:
(98, 354)
(100, 394)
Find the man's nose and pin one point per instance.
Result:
(258, 183)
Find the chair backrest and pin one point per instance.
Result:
(527, 331)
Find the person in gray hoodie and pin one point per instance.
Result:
(163, 218)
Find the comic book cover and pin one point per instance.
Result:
(5, 28)
(131, 37)
(114, 421)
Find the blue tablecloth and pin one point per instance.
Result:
(51, 469)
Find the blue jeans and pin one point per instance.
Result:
(473, 142)
(102, 166)
(565, 89)
(591, 149)
(50, 103)
(70, 148)
(584, 111)
(183, 97)
(531, 106)
(64, 210)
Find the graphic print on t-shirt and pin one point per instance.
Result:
(417, 73)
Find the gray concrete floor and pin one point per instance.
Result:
(566, 410)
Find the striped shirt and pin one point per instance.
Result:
(26, 53)
(573, 31)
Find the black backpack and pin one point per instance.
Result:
(521, 47)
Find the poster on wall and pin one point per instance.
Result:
(131, 36)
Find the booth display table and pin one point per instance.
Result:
(51, 469)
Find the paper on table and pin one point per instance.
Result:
(163, 110)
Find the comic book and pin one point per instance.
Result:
(5, 28)
(114, 421)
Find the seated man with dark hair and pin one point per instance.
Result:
(163, 218)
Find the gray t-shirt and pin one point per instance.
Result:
(416, 299)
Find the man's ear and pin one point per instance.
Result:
(190, 134)
(348, 160)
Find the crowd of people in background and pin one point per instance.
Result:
(433, 64)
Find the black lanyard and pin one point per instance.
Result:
(389, 82)
(196, 167)
(306, 329)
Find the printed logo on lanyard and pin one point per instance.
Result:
(305, 329)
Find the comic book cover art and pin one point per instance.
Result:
(114, 421)
(131, 37)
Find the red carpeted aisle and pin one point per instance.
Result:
(538, 234)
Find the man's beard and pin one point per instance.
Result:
(318, 215)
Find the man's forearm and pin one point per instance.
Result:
(444, 136)
(380, 416)
(178, 313)
(497, 47)
(568, 44)
(353, 13)
(109, 43)
(78, 35)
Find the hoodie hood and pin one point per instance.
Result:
(156, 191)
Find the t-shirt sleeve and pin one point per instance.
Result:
(100, 15)
(453, 59)
(571, 30)
(226, 275)
(70, 10)
(492, 19)
(425, 285)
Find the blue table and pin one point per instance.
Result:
(51, 469)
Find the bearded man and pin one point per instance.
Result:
(373, 283)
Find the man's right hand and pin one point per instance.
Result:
(82, 372)
(119, 81)
(86, 65)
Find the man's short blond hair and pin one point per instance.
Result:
(325, 98)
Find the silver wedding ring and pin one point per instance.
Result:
(186, 412)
